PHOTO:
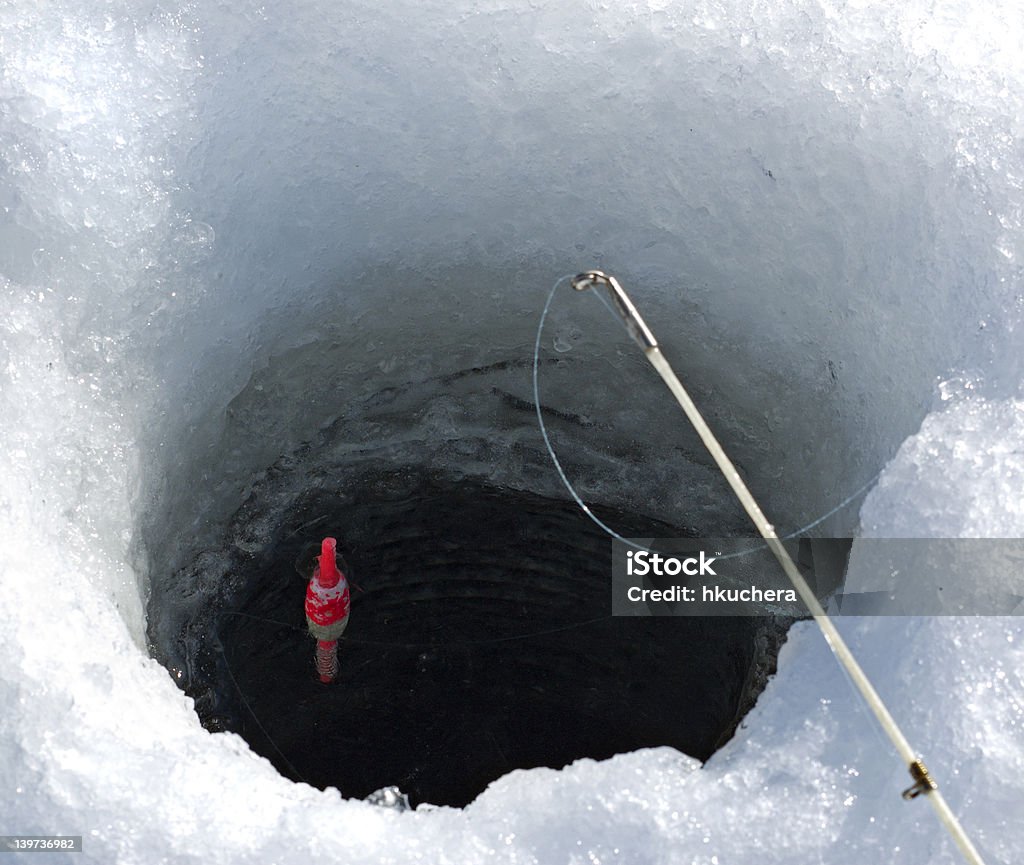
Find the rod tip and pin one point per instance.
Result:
(583, 281)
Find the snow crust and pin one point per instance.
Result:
(204, 206)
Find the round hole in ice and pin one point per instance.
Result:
(481, 639)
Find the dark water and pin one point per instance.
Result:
(480, 641)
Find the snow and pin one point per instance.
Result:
(207, 208)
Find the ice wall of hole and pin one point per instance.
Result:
(350, 283)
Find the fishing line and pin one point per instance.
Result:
(544, 430)
(263, 730)
(857, 492)
(572, 490)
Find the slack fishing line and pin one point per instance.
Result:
(924, 783)
(245, 701)
(572, 490)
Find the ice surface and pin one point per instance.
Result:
(207, 208)
(957, 484)
(975, 495)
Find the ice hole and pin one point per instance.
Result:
(481, 639)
